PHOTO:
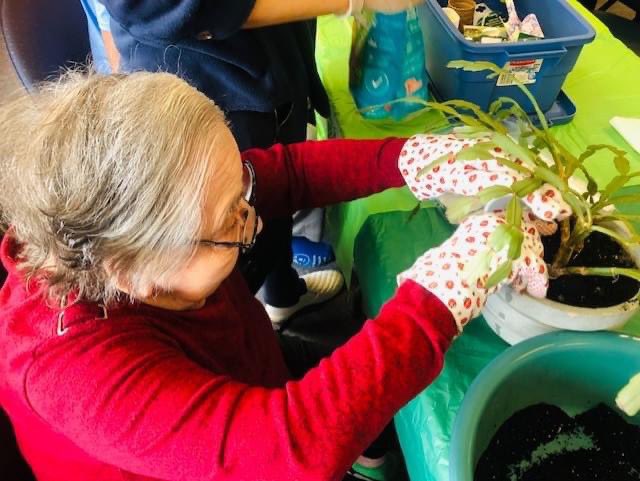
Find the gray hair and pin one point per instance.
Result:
(100, 171)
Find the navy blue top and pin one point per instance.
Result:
(202, 41)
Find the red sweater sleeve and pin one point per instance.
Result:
(131, 398)
(315, 174)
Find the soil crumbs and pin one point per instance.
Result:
(543, 443)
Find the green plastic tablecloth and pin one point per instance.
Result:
(387, 244)
(376, 236)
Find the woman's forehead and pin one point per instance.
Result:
(225, 185)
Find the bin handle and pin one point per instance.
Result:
(558, 53)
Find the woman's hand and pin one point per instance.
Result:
(448, 271)
(468, 178)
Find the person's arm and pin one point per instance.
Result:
(132, 399)
(173, 20)
(274, 12)
(316, 174)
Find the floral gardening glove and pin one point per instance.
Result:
(459, 271)
(468, 178)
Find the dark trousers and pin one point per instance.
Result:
(301, 356)
(269, 262)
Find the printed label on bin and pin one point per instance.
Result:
(523, 71)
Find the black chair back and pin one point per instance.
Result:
(37, 39)
(42, 36)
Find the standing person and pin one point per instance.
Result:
(130, 345)
(255, 59)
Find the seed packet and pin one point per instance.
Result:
(486, 17)
(527, 29)
(479, 34)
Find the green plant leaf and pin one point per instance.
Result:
(478, 266)
(475, 66)
(570, 161)
(577, 205)
(500, 238)
(618, 215)
(625, 241)
(479, 151)
(440, 160)
(513, 148)
(615, 185)
(493, 192)
(465, 132)
(485, 118)
(540, 143)
(628, 399)
(627, 221)
(592, 185)
(479, 66)
(501, 273)
(507, 236)
(622, 164)
(604, 271)
(468, 120)
(460, 207)
(616, 199)
(524, 187)
(551, 177)
(514, 212)
(513, 166)
(625, 199)
(515, 246)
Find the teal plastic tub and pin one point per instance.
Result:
(572, 370)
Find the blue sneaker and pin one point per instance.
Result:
(307, 253)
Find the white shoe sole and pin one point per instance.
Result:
(322, 286)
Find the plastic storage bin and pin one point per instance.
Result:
(542, 64)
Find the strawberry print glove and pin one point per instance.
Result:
(468, 177)
(447, 270)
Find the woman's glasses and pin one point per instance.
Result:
(247, 221)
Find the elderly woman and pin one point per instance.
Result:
(131, 347)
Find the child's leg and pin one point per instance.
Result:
(270, 260)
(285, 293)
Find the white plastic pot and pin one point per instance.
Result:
(516, 317)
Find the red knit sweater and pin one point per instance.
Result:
(204, 395)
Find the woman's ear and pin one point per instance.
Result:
(122, 282)
(141, 292)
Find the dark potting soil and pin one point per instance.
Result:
(543, 443)
(592, 291)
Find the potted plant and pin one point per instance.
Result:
(593, 256)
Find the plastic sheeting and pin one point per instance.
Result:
(602, 85)
(387, 244)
